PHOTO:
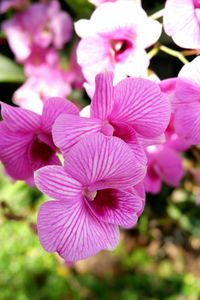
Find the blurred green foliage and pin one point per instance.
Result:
(145, 268)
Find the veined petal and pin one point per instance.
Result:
(102, 102)
(140, 103)
(69, 129)
(73, 231)
(191, 71)
(128, 135)
(56, 183)
(14, 152)
(187, 122)
(53, 107)
(99, 162)
(20, 120)
(187, 92)
(117, 207)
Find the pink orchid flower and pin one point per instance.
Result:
(184, 27)
(134, 107)
(41, 24)
(187, 103)
(46, 81)
(26, 141)
(5, 5)
(92, 197)
(164, 164)
(115, 39)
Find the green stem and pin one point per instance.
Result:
(174, 53)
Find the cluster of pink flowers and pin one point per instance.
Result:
(97, 166)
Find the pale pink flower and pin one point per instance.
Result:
(172, 139)
(182, 22)
(75, 72)
(46, 81)
(8, 4)
(134, 107)
(187, 102)
(164, 164)
(92, 196)
(115, 39)
(26, 141)
(41, 24)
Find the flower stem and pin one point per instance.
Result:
(174, 53)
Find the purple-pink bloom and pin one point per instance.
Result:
(187, 102)
(41, 25)
(134, 107)
(26, 141)
(46, 81)
(92, 197)
(115, 39)
(8, 4)
(164, 164)
(182, 22)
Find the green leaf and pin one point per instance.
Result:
(10, 71)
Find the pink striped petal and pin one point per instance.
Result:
(187, 92)
(187, 122)
(73, 231)
(69, 129)
(19, 119)
(99, 162)
(56, 183)
(102, 102)
(191, 71)
(14, 152)
(53, 107)
(128, 135)
(117, 207)
(140, 103)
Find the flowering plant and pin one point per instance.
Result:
(97, 162)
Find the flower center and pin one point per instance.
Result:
(196, 3)
(41, 151)
(120, 48)
(90, 196)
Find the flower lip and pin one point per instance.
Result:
(120, 48)
(41, 151)
(196, 3)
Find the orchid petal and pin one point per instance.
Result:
(73, 231)
(14, 152)
(69, 129)
(53, 107)
(19, 119)
(102, 102)
(140, 103)
(117, 207)
(56, 183)
(103, 162)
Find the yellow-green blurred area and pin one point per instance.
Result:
(160, 259)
